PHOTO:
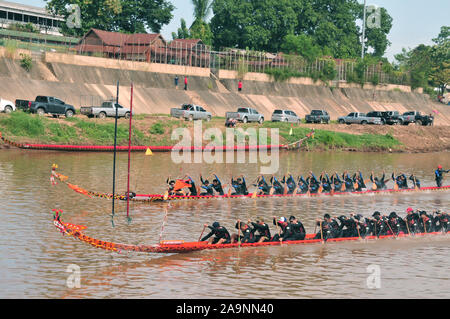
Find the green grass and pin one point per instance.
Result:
(336, 140)
(29, 127)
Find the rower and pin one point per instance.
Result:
(217, 185)
(262, 187)
(277, 188)
(394, 224)
(379, 224)
(294, 230)
(348, 226)
(221, 234)
(192, 188)
(380, 183)
(209, 190)
(239, 186)
(330, 228)
(325, 182)
(262, 229)
(348, 182)
(416, 181)
(302, 186)
(171, 188)
(411, 219)
(439, 175)
(425, 223)
(248, 234)
(282, 223)
(337, 182)
(313, 183)
(363, 225)
(290, 184)
(400, 180)
(441, 221)
(358, 180)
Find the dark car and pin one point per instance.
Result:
(318, 116)
(416, 117)
(391, 117)
(49, 105)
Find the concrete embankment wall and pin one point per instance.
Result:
(76, 79)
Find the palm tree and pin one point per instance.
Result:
(202, 8)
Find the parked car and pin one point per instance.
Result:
(6, 106)
(23, 105)
(318, 116)
(391, 117)
(107, 108)
(378, 114)
(416, 117)
(285, 116)
(49, 105)
(191, 112)
(358, 118)
(244, 115)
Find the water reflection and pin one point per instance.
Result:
(35, 256)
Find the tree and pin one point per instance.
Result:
(115, 15)
(202, 9)
(377, 35)
(264, 25)
(183, 31)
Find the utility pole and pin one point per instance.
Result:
(364, 30)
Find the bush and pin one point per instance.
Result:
(26, 62)
(157, 129)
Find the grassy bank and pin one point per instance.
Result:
(157, 130)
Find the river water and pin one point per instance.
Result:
(35, 257)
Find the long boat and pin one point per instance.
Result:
(154, 198)
(179, 246)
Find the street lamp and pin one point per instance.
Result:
(364, 30)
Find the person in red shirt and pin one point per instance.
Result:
(185, 83)
(240, 86)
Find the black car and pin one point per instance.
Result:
(391, 117)
(47, 105)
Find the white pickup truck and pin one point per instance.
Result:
(359, 118)
(106, 109)
(6, 106)
(245, 114)
(191, 112)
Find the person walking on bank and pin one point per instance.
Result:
(185, 83)
(176, 82)
(240, 86)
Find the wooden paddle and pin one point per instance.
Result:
(201, 235)
(415, 184)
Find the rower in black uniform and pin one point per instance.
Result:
(221, 234)
(439, 175)
(239, 186)
(261, 230)
(209, 190)
(217, 185)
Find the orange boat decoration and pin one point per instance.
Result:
(179, 246)
(152, 198)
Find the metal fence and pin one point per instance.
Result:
(200, 55)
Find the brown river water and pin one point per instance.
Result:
(35, 257)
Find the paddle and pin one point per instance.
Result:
(201, 235)
(321, 231)
(415, 184)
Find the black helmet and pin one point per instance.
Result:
(215, 225)
(393, 215)
(377, 213)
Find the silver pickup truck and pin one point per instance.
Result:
(106, 109)
(359, 118)
(245, 114)
(191, 112)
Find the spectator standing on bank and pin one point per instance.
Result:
(240, 86)
(185, 83)
(176, 82)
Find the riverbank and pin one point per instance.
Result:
(156, 130)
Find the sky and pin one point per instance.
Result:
(415, 21)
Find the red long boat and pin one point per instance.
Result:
(179, 246)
